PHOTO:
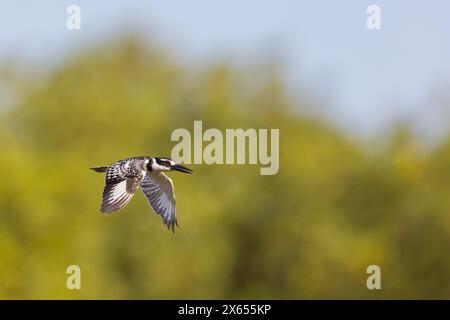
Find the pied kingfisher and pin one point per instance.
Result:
(124, 177)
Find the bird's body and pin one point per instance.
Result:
(124, 177)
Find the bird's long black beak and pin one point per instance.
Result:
(180, 168)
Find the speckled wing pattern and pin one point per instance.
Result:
(158, 188)
(122, 180)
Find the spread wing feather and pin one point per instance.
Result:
(158, 189)
(119, 189)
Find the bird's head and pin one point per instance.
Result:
(165, 164)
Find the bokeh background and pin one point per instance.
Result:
(364, 148)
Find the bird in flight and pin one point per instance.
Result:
(124, 177)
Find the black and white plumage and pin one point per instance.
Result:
(124, 177)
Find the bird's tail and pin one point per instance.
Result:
(99, 169)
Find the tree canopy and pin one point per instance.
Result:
(333, 209)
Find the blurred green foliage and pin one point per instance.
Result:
(335, 207)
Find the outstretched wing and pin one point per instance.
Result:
(119, 189)
(158, 188)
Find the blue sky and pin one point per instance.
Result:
(365, 78)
